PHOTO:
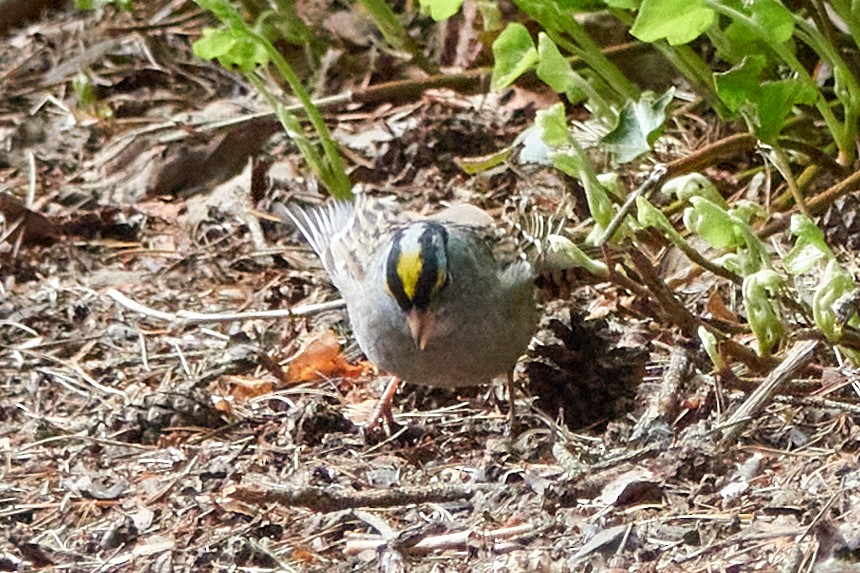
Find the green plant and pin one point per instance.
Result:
(241, 46)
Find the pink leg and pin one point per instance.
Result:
(382, 410)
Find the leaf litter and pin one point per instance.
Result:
(185, 440)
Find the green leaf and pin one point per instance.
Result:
(774, 19)
(809, 249)
(738, 43)
(563, 254)
(834, 284)
(214, 43)
(747, 211)
(83, 86)
(766, 105)
(473, 165)
(639, 125)
(225, 12)
(623, 4)
(742, 83)
(709, 343)
(553, 68)
(761, 302)
(777, 100)
(712, 223)
(491, 15)
(650, 216)
(724, 230)
(579, 5)
(232, 48)
(440, 10)
(552, 123)
(676, 21)
(693, 185)
(514, 53)
(568, 163)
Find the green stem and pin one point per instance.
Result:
(849, 16)
(394, 33)
(847, 89)
(340, 185)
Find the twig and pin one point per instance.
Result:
(675, 312)
(177, 478)
(816, 205)
(818, 402)
(738, 538)
(329, 499)
(456, 540)
(663, 404)
(655, 177)
(198, 317)
(799, 356)
(711, 155)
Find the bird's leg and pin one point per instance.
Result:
(382, 410)
(512, 415)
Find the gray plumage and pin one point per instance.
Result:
(480, 317)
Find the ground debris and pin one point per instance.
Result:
(179, 389)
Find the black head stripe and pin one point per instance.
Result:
(393, 280)
(434, 247)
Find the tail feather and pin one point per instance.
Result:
(320, 226)
(344, 233)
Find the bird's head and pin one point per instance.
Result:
(416, 271)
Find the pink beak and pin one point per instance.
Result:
(420, 326)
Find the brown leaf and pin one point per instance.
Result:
(718, 308)
(635, 486)
(320, 358)
(166, 210)
(36, 227)
(244, 388)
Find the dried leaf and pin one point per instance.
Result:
(244, 388)
(320, 358)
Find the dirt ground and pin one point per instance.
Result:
(156, 416)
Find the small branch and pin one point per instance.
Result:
(200, 317)
(450, 541)
(818, 402)
(329, 499)
(674, 311)
(654, 178)
(663, 404)
(816, 205)
(710, 155)
(799, 356)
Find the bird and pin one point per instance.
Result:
(440, 301)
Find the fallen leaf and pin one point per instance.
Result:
(245, 388)
(319, 358)
(161, 208)
(636, 486)
(718, 309)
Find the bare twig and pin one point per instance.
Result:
(655, 177)
(330, 499)
(663, 404)
(197, 317)
(799, 356)
(457, 540)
